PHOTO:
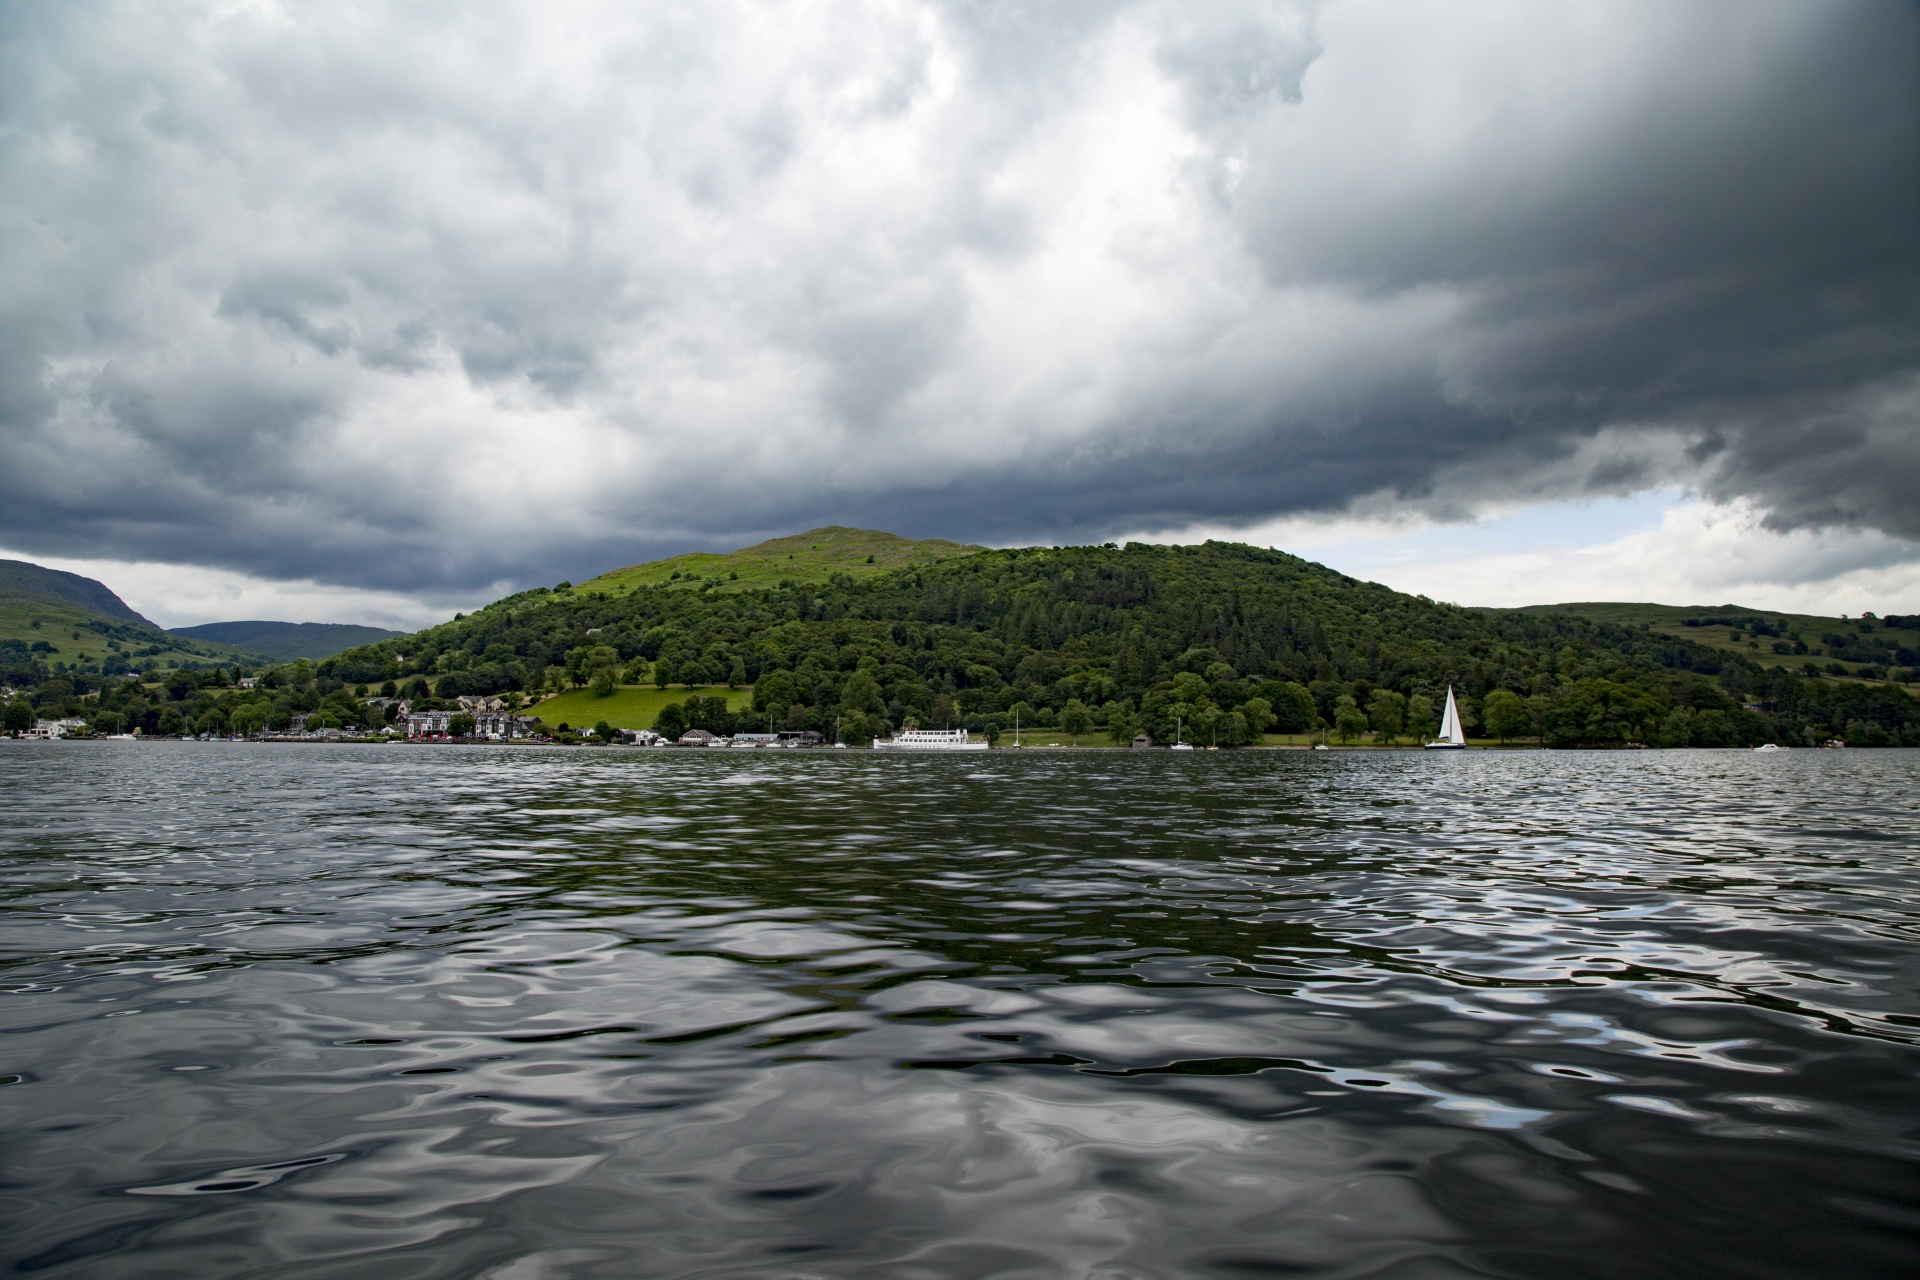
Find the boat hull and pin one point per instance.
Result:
(1446, 746)
(916, 746)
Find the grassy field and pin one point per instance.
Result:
(805, 557)
(629, 707)
(64, 627)
(1717, 629)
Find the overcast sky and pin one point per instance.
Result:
(368, 312)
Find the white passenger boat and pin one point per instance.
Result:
(1452, 737)
(930, 740)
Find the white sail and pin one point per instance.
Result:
(1450, 730)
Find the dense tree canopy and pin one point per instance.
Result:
(1139, 637)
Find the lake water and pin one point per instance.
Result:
(519, 1013)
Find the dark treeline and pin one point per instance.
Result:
(1228, 639)
(1221, 640)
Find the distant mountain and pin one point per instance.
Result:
(814, 556)
(286, 641)
(24, 581)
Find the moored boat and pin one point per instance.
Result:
(930, 740)
(1452, 736)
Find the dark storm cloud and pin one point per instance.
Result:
(416, 298)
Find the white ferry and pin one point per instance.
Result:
(930, 740)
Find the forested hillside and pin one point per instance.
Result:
(1135, 636)
(1225, 640)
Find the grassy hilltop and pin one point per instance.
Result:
(814, 556)
(1844, 647)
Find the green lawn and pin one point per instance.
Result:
(630, 706)
(804, 557)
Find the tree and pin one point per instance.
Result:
(736, 674)
(1118, 716)
(861, 693)
(1386, 712)
(1602, 713)
(1506, 716)
(1538, 707)
(1348, 721)
(18, 716)
(1419, 716)
(1238, 729)
(459, 726)
(603, 682)
(1258, 715)
(1293, 707)
(1076, 719)
(172, 722)
(671, 722)
(603, 731)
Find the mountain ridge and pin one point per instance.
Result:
(813, 556)
(285, 641)
(23, 578)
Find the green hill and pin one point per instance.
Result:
(1855, 647)
(286, 641)
(23, 581)
(1136, 636)
(51, 622)
(811, 557)
(1221, 640)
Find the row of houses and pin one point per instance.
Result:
(498, 725)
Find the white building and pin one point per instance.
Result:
(428, 724)
(55, 728)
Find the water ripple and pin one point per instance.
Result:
(521, 1013)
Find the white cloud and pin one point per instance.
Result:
(1665, 548)
(176, 595)
(349, 293)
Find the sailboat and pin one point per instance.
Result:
(1451, 738)
(1179, 743)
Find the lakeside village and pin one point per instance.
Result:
(474, 719)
